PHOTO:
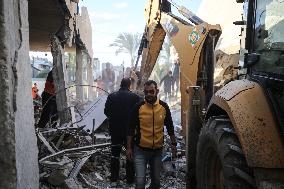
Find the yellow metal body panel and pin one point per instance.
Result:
(189, 57)
(251, 115)
(152, 12)
(188, 41)
(155, 36)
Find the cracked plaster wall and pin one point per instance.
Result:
(18, 150)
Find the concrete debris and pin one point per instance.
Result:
(74, 158)
(99, 176)
(226, 68)
(91, 115)
(72, 184)
(58, 176)
(67, 151)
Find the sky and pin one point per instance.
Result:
(109, 18)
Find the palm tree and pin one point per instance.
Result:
(127, 43)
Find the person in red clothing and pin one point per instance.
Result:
(35, 92)
(49, 107)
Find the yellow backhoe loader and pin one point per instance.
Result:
(234, 135)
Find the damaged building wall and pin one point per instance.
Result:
(60, 78)
(79, 72)
(18, 150)
(225, 69)
(90, 79)
(85, 30)
(26, 141)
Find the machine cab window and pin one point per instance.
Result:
(268, 36)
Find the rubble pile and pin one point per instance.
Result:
(74, 157)
(66, 151)
(99, 177)
(97, 173)
(62, 169)
(226, 68)
(173, 175)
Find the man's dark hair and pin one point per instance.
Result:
(125, 83)
(150, 82)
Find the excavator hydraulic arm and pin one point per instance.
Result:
(194, 41)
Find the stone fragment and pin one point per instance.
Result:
(58, 176)
(72, 184)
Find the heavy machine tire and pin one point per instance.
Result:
(220, 160)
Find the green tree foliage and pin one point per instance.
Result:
(127, 43)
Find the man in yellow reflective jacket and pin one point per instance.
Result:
(147, 122)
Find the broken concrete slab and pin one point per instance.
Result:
(94, 110)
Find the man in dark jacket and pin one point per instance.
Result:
(168, 82)
(117, 108)
(176, 77)
(49, 107)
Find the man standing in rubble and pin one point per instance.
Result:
(168, 83)
(147, 128)
(117, 109)
(176, 75)
(49, 107)
(108, 77)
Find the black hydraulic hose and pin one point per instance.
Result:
(143, 44)
(210, 63)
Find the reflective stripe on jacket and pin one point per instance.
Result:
(147, 124)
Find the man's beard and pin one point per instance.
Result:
(151, 99)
